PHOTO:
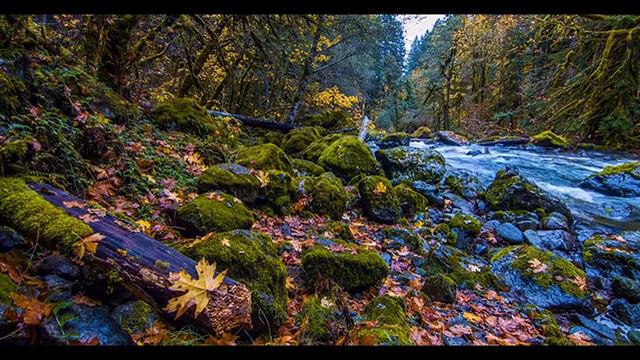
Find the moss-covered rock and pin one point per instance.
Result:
(464, 183)
(304, 167)
(440, 287)
(354, 268)
(406, 164)
(378, 199)
(423, 132)
(626, 288)
(468, 224)
(546, 322)
(443, 234)
(315, 320)
(337, 230)
(411, 202)
(251, 259)
(314, 150)
(511, 191)
(465, 270)
(233, 179)
(211, 212)
(186, 115)
(548, 139)
(135, 316)
(393, 327)
(620, 180)
(609, 256)
(348, 157)
(327, 194)
(543, 279)
(264, 157)
(298, 139)
(27, 212)
(276, 193)
(394, 140)
(399, 236)
(328, 120)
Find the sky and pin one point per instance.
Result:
(416, 25)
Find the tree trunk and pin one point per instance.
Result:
(145, 264)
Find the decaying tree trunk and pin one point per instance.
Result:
(145, 264)
(506, 142)
(253, 122)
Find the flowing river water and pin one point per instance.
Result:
(559, 173)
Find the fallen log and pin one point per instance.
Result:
(505, 142)
(253, 122)
(145, 264)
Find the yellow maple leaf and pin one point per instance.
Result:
(88, 244)
(472, 317)
(144, 224)
(380, 188)
(263, 177)
(226, 242)
(418, 224)
(196, 289)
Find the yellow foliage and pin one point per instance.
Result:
(332, 99)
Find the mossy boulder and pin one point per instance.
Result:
(276, 193)
(327, 195)
(546, 322)
(440, 287)
(464, 183)
(423, 132)
(541, 278)
(12, 89)
(348, 157)
(411, 202)
(406, 164)
(26, 211)
(350, 266)
(620, 180)
(328, 120)
(264, 157)
(313, 151)
(304, 167)
(213, 212)
(316, 319)
(378, 200)
(397, 237)
(233, 179)
(511, 191)
(394, 140)
(186, 115)
(609, 256)
(468, 224)
(134, 316)
(250, 258)
(465, 270)
(298, 139)
(548, 139)
(392, 324)
(626, 288)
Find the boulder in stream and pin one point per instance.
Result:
(621, 180)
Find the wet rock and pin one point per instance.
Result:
(83, 324)
(621, 180)
(441, 288)
(594, 337)
(634, 336)
(463, 183)
(490, 226)
(10, 239)
(233, 179)
(550, 239)
(554, 288)
(58, 288)
(608, 256)
(394, 140)
(510, 233)
(55, 264)
(555, 221)
(430, 192)
(626, 288)
(378, 199)
(595, 327)
(407, 164)
(399, 237)
(523, 220)
(451, 138)
(617, 211)
(134, 316)
(511, 191)
(474, 152)
(625, 312)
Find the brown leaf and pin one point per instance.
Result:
(88, 244)
(34, 309)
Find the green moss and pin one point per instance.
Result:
(422, 132)
(393, 327)
(11, 89)
(559, 272)
(457, 265)
(137, 319)
(339, 230)
(379, 201)
(440, 287)
(442, 231)
(454, 184)
(185, 114)
(239, 183)
(348, 157)
(546, 322)
(250, 258)
(317, 321)
(411, 202)
(411, 239)
(549, 139)
(27, 212)
(264, 157)
(628, 168)
(304, 167)
(328, 120)
(395, 137)
(328, 196)
(298, 139)
(214, 212)
(277, 193)
(351, 271)
(466, 223)
(6, 288)
(618, 254)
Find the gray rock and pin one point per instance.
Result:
(430, 192)
(55, 264)
(10, 239)
(624, 184)
(450, 138)
(510, 233)
(625, 312)
(550, 239)
(490, 225)
(555, 221)
(83, 324)
(134, 316)
(410, 164)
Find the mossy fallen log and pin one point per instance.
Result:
(51, 217)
